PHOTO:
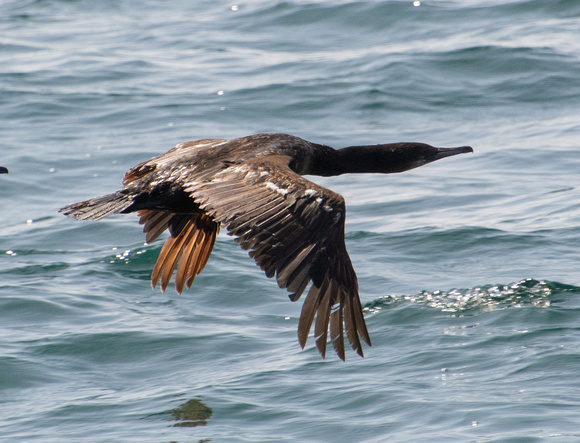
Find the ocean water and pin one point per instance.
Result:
(468, 267)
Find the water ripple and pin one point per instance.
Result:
(484, 298)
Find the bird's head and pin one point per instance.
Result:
(399, 157)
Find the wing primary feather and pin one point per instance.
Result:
(360, 321)
(309, 309)
(297, 293)
(322, 319)
(194, 268)
(336, 329)
(166, 261)
(350, 326)
(178, 223)
(277, 256)
(156, 273)
(208, 247)
(285, 272)
(204, 253)
(189, 247)
(298, 283)
(172, 257)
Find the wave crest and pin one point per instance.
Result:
(528, 291)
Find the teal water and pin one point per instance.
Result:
(468, 268)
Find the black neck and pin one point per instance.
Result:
(383, 159)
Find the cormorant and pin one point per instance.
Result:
(253, 186)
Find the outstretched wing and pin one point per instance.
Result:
(294, 230)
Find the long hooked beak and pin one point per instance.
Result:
(448, 152)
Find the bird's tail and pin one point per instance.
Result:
(98, 207)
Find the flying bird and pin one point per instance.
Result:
(254, 187)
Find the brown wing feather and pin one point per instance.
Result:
(191, 246)
(154, 223)
(294, 230)
(323, 317)
(172, 255)
(173, 156)
(188, 260)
